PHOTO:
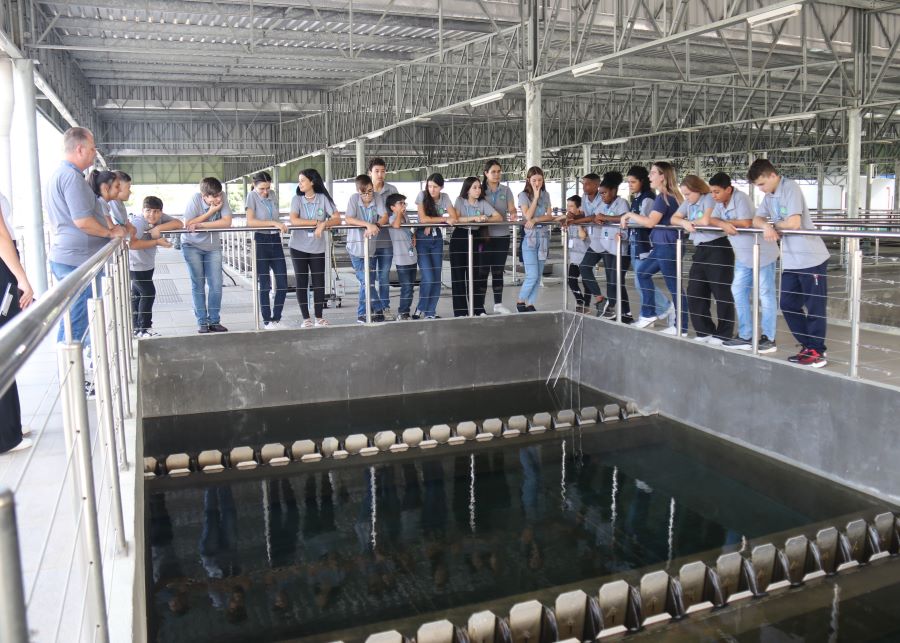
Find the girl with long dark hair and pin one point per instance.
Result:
(434, 206)
(313, 209)
(262, 212)
(496, 243)
(639, 246)
(470, 208)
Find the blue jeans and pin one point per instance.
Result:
(384, 257)
(742, 291)
(359, 267)
(661, 259)
(804, 304)
(534, 268)
(660, 302)
(270, 259)
(205, 267)
(78, 311)
(407, 276)
(588, 278)
(430, 251)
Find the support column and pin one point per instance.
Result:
(870, 174)
(820, 186)
(897, 187)
(533, 141)
(562, 188)
(854, 153)
(750, 159)
(7, 100)
(360, 156)
(698, 166)
(25, 118)
(275, 190)
(329, 172)
(244, 182)
(586, 158)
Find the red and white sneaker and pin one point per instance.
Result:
(809, 357)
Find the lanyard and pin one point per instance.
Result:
(493, 195)
(310, 212)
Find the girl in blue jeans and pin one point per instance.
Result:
(662, 256)
(535, 204)
(433, 207)
(642, 198)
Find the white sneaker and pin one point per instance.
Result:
(713, 341)
(702, 339)
(388, 315)
(671, 315)
(643, 322)
(150, 333)
(21, 446)
(500, 309)
(26, 430)
(671, 330)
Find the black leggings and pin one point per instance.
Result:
(143, 294)
(581, 298)
(10, 412)
(308, 264)
(493, 263)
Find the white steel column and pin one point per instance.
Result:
(329, 172)
(870, 174)
(586, 158)
(897, 187)
(7, 100)
(360, 156)
(854, 153)
(25, 119)
(533, 141)
(820, 186)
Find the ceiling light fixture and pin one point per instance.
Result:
(587, 68)
(484, 100)
(614, 141)
(768, 17)
(787, 118)
(375, 134)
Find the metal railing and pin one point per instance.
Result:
(93, 459)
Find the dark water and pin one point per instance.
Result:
(315, 552)
(224, 430)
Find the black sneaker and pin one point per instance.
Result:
(602, 305)
(89, 390)
(404, 317)
(361, 320)
(522, 308)
(378, 317)
(530, 309)
(217, 328)
(610, 313)
(739, 343)
(203, 329)
(766, 345)
(627, 318)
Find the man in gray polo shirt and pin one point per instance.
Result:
(804, 260)
(78, 227)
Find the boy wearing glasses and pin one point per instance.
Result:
(366, 211)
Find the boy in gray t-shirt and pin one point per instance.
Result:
(404, 250)
(146, 238)
(804, 285)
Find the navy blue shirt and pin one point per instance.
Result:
(667, 205)
(640, 236)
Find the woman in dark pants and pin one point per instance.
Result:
(15, 294)
(496, 247)
(262, 213)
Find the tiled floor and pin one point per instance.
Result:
(46, 499)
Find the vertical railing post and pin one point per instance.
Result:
(678, 280)
(255, 283)
(107, 286)
(470, 283)
(116, 375)
(103, 390)
(78, 430)
(122, 256)
(754, 299)
(367, 282)
(564, 237)
(618, 280)
(124, 318)
(328, 271)
(855, 297)
(13, 616)
(515, 252)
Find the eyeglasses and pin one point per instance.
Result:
(367, 192)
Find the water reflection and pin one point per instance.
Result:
(323, 551)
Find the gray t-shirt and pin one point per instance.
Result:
(401, 242)
(500, 199)
(118, 212)
(384, 239)
(577, 245)
(203, 240)
(319, 209)
(590, 208)
(607, 236)
(798, 251)
(740, 208)
(264, 209)
(69, 197)
(537, 237)
(144, 258)
(443, 208)
(370, 214)
(694, 211)
(465, 209)
(6, 216)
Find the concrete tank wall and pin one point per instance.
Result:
(845, 429)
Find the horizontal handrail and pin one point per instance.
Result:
(21, 336)
(814, 233)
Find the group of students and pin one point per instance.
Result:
(722, 263)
